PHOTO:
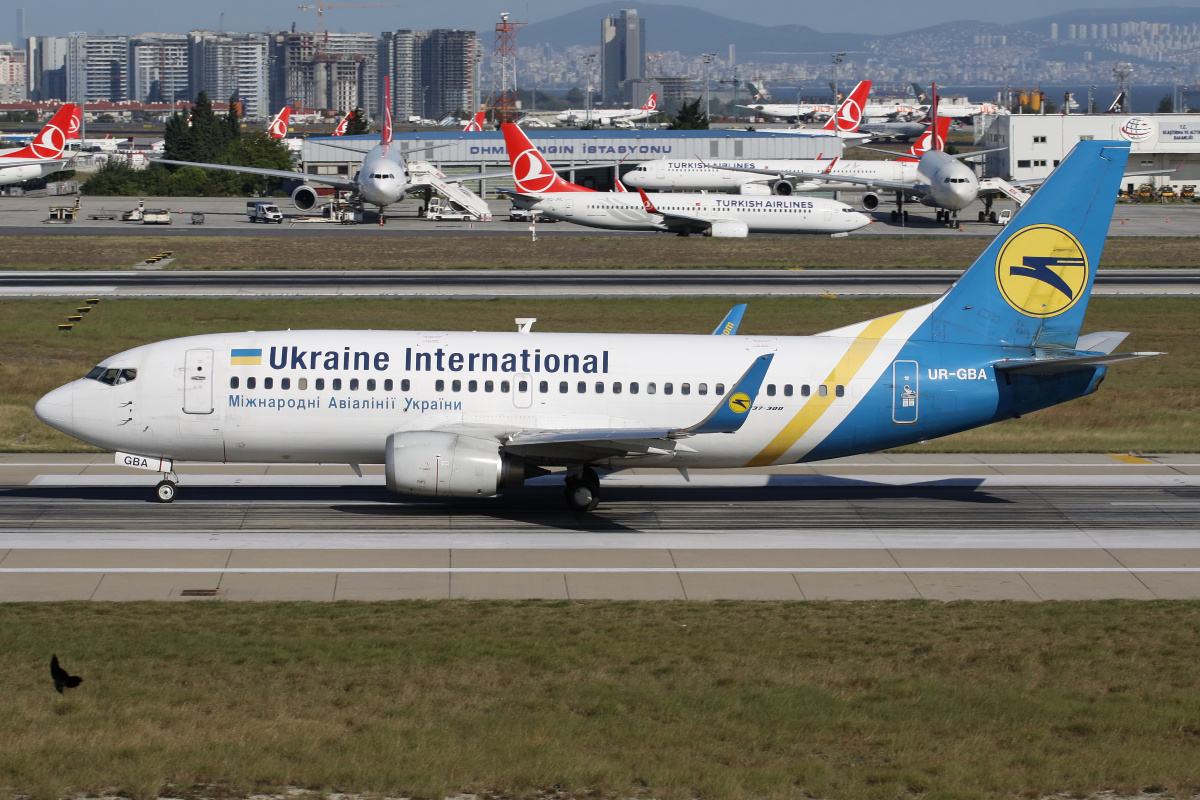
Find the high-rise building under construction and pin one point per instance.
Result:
(434, 73)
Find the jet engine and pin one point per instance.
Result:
(451, 465)
(728, 230)
(869, 200)
(304, 197)
(783, 188)
(754, 188)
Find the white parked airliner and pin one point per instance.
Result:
(457, 414)
(44, 155)
(540, 189)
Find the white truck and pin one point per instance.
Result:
(264, 211)
(444, 210)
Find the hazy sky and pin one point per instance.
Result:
(59, 17)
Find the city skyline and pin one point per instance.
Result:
(874, 17)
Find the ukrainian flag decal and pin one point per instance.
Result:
(250, 357)
(1042, 271)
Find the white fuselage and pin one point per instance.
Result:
(382, 178)
(666, 175)
(17, 170)
(945, 182)
(624, 211)
(334, 396)
(604, 116)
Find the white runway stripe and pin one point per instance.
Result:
(578, 570)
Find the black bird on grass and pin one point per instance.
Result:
(61, 678)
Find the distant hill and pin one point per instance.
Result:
(690, 31)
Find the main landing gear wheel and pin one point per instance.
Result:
(165, 491)
(582, 491)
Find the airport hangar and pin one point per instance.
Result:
(1033, 144)
(590, 158)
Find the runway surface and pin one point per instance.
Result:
(589, 283)
(942, 527)
(225, 216)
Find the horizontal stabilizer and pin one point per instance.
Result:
(1057, 364)
(1102, 342)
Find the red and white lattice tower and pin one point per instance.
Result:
(505, 101)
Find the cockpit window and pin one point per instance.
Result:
(113, 376)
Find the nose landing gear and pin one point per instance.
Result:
(164, 492)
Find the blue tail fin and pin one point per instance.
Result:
(1030, 287)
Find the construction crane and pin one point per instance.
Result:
(320, 6)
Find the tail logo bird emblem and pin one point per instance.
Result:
(1042, 271)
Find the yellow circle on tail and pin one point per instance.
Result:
(739, 402)
(1042, 271)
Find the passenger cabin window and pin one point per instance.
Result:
(599, 387)
(787, 390)
(337, 384)
(702, 389)
(489, 386)
(285, 383)
(668, 388)
(685, 388)
(233, 382)
(456, 386)
(370, 384)
(563, 387)
(268, 383)
(805, 391)
(504, 386)
(472, 386)
(770, 390)
(719, 390)
(439, 385)
(616, 387)
(302, 384)
(651, 388)
(581, 387)
(249, 383)
(633, 387)
(354, 384)
(319, 383)
(839, 390)
(544, 387)
(404, 384)
(822, 390)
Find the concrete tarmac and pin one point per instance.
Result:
(566, 283)
(945, 527)
(225, 216)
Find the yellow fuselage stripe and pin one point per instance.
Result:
(252, 361)
(849, 365)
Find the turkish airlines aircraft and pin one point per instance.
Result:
(540, 189)
(466, 414)
(611, 116)
(278, 128)
(382, 179)
(45, 154)
(845, 122)
(775, 177)
(340, 130)
(476, 123)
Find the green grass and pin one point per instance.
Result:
(1146, 406)
(666, 700)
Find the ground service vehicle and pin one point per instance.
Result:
(264, 211)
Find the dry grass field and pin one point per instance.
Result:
(550, 251)
(721, 701)
(1146, 406)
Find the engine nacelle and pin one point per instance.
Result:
(783, 188)
(869, 200)
(304, 197)
(728, 230)
(450, 465)
(754, 188)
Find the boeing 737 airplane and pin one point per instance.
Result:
(623, 117)
(382, 179)
(278, 128)
(768, 176)
(466, 414)
(540, 189)
(44, 155)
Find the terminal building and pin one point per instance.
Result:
(1031, 145)
(589, 158)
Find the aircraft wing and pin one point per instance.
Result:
(327, 180)
(586, 444)
(899, 186)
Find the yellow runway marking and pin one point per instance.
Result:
(1129, 458)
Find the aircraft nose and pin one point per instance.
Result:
(55, 409)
